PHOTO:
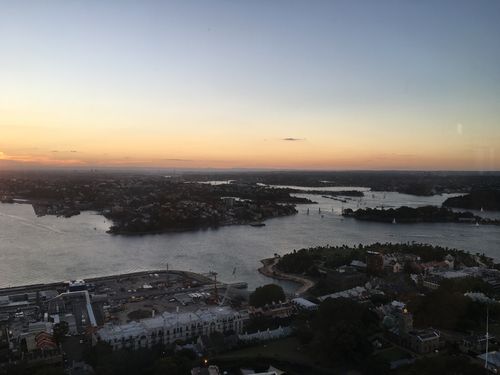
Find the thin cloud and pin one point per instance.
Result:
(290, 139)
(182, 160)
(33, 159)
(69, 151)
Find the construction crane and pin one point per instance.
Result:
(227, 289)
(216, 293)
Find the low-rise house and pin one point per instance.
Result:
(276, 310)
(450, 261)
(430, 282)
(399, 324)
(434, 266)
(491, 361)
(270, 371)
(424, 341)
(374, 262)
(40, 341)
(359, 293)
(393, 266)
(304, 304)
(210, 370)
(358, 265)
(475, 343)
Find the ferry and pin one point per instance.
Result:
(257, 224)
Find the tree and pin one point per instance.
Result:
(267, 294)
(172, 365)
(341, 328)
(448, 308)
(442, 365)
(60, 330)
(50, 371)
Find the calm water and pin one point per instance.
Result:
(40, 249)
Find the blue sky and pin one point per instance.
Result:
(359, 84)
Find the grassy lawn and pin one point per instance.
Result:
(392, 354)
(287, 350)
(286, 353)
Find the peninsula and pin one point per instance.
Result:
(143, 203)
(476, 200)
(425, 214)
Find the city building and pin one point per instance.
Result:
(168, 328)
(374, 262)
(399, 324)
(424, 341)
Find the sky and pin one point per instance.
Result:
(250, 84)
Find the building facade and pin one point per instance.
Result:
(168, 328)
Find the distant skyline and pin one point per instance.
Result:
(250, 84)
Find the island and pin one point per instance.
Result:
(425, 214)
(476, 200)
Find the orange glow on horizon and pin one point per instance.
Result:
(76, 137)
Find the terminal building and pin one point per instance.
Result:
(168, 328)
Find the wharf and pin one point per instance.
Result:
(33, 288)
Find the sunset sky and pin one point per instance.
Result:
(251, 84)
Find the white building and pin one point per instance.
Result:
(304, 304)
(170, 327)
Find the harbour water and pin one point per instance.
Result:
(42, 249)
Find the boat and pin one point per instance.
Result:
(257, 224)
(394, 221)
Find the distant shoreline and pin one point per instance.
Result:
(269, 269)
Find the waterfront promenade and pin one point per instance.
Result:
(269, 269)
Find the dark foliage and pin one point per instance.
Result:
(486, 199)
(267, 294)
(442, 365)
(448, 308)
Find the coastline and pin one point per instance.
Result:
(268, 269)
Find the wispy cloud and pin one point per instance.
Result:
(69, 152)
(181, 160)
(35, 159)
(291, 139)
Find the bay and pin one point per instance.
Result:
(44, 249)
